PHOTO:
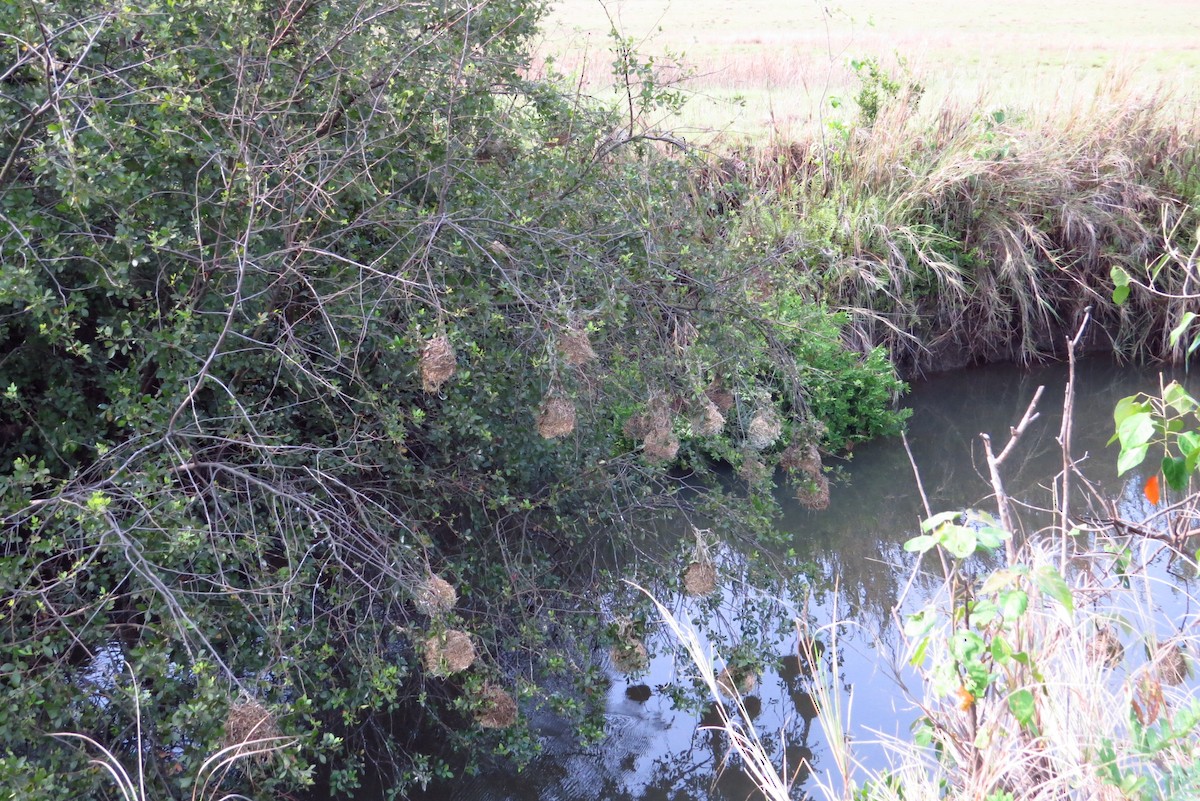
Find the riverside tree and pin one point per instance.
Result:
(331, 343)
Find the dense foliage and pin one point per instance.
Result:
(328, 338)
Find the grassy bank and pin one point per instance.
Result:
(965, 233)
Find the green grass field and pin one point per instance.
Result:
(773, 66)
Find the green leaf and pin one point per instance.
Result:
(1023, 706)
(1120, 294)
(1178, 331)
(1178, 398)
(1175, 471)
(1130, 459)
(1051, 582)
(1136, 430)
(958, 540)
(938, 520)
(1128, 406)
(1001, 651)
(1189, 442)
(920, 544)
(1014, 603)
(967, 646)
(990, 537)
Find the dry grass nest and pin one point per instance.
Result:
(435, 596)
(700, 578)
(449, 653)
(575, 347)
(707, 421)
(1170, 664)
(247, 724)
(437, 363)
(556, 417)
(1105, 648)
(660, 445)
(734, 683)
(801, 459)
(752, 469)
(721, 398)
(813, 493)
(630, 656)
(497, 709)
(764, 429)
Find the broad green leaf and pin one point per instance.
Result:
(939, 519)
(1189, 442)
(958, 540)
(1130, 459)
(967, 646)
(1014, 603)
(1178, 398)
(1178, 331)
(1023, 706)
(920, 544)
(1175, 471)
(1120, 294)
(990, 537)
(1128, 406)
(1051, 582)
(1136, 430)
(1001, 651)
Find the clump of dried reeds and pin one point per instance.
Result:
(556, 417)
(448, 652)
(437, 363)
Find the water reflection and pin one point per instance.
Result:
(656, 748)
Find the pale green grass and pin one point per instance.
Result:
(764, 65)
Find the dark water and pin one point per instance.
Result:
(857, 572)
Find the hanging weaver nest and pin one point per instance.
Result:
(739, 681)
(435, 596)
(247, 724)
(707, 421)
(630, 656)
(449, 653)
(722, 398)
(575, 348)
(437, 363)
(752, 469)
(1105, 648)
(556, 417)
(497, 709)
(801, 458)
(813, 493)
(763, 430)
(700, 578)
(660, 445)
(1170, 665)
(636, 426)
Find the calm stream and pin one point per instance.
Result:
(853, 553)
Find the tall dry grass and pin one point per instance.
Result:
(957, 232)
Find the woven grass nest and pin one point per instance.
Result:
(435, 596)
(1105, 648)
(449, 653)
(737, 682)
(556, 417)
(575, 347)
(700, 578)
(497, 709)
(437, 363)
(707, 421)
(1170, 664)
(246, 722)
(630, 656)
(722, 398)
(813, 493)
(764, 429)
